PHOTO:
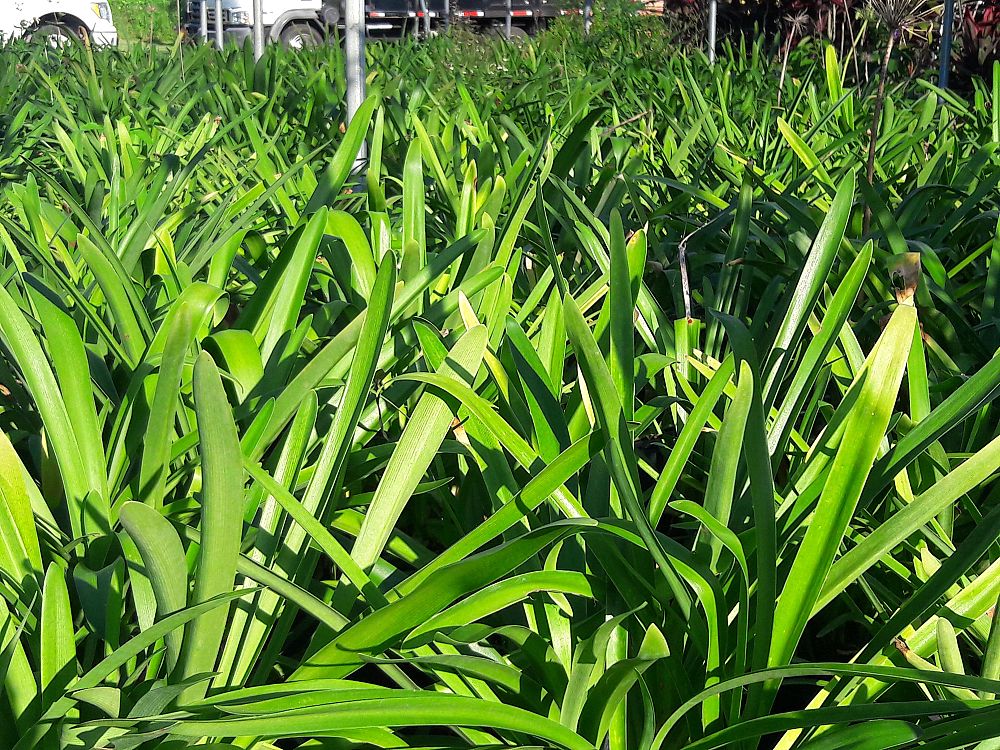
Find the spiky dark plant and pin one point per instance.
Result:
(796, 24)
(895, 16)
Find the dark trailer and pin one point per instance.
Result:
(527, 16)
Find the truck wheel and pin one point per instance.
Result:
(300, 36)
(516, 32)
(55, 35)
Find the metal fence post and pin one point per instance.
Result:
(427, 18)
(947, 29)
(447, 15)
(218, 24)
(506, 23)
(713, 12)
(258, 30)
(203, 27)
(588, 15)
(354, 59)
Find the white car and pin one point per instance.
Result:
(58, 21)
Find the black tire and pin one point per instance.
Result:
(516, 32)
(300, 36)
(55, 35)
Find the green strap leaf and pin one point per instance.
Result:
(415, 450)
(410, 709)
(865, 428)
(221, 519)
(164, 565)
(58, 645)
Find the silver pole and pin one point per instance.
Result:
(427, 19)
(588, 15)
(218, 24)
(447, 15)
(203, 30)
(354, 58)
(258, 30)
(713, 12)
(506, 26)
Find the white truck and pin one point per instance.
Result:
(294, 23)
(58, 21)
(307, 23)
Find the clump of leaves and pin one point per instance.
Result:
(454, 457)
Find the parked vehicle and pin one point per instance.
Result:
(527, 16)
(58, 21)
(397, 17)
(298, 23)
(294, 23)
(303, 23)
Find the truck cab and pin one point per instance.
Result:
(299, 23)
(58, 22)
(307, 23)
(295, 23)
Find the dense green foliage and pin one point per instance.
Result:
(587, 416)
(142, 20)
